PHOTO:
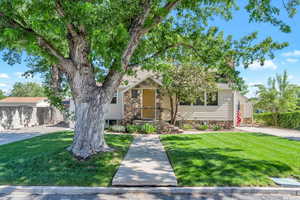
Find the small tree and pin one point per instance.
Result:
(27, 90)
(278, 96)
(85, 38)
(186, 83)
(2, 94)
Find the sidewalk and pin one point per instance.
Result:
(280, 132)
(146, 164)
(9, 136)
(147, 193)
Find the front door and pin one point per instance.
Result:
(148, 111)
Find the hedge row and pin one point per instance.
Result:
(284, 120)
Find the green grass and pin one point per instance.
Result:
(44, 160)
(231, 159)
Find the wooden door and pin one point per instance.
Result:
(148, 111)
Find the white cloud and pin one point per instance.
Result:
(290, 77)
(292, 53)
(2, 75)
(269, 64)
(19, 74)
(3, 85)
(252, 84)
(292, 60)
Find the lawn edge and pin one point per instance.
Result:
(66, 190)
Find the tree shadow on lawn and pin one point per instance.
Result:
(45, 161)
(214, 167)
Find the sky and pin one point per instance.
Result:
(286, 59)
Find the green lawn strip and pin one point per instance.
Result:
(231, 159)
(43, 160)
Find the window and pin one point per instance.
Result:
(114, 99)
(212, 99)
(200, 100)
(134, 93)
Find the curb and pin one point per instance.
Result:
(42, 190)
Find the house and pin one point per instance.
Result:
(18, 112)
(141, 99)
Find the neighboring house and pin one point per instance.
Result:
(141, 99)
(18, 112)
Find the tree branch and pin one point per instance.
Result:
(158, 18)
(42, 42)
(159, 52)
(136, 31)
(70, 27)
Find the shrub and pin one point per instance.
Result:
(284, 120)
(148, 128)
(117, 128)
(264, 118)
(133, 128)
(187, 127)
(216, 127)
(202, 127)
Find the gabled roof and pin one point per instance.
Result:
(140, 76)
(23, 99)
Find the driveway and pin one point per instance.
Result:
(286, 133)
(9, 136)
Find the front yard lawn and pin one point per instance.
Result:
(44, 160)
(231, 159)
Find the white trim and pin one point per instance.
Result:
(150, 76)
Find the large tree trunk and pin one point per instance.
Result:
(89, 129)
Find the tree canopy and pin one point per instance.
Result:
(278, 96)
(29, 89)
(102, 40)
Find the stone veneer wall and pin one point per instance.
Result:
(194, 123)
(14, 117)
(132, 106)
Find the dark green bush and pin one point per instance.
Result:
(216, 127)
(133, 128)
(202, 127)
(187, 127)
(148, 128)
(284, 120)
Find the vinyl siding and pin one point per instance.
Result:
(114, 111)
(223, 111)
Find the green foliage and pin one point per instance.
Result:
(27, 90)
(187, 127)
(117, 128)
(231, 159)
(284, 120)
(2, 95)
(107, 24)
(131, 128)
(43, 160)
(148, 128)
(202, 127)
(216, 127)
(279, 96)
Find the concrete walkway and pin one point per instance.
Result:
(10, 136)
(146, 164)
(286, 133)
